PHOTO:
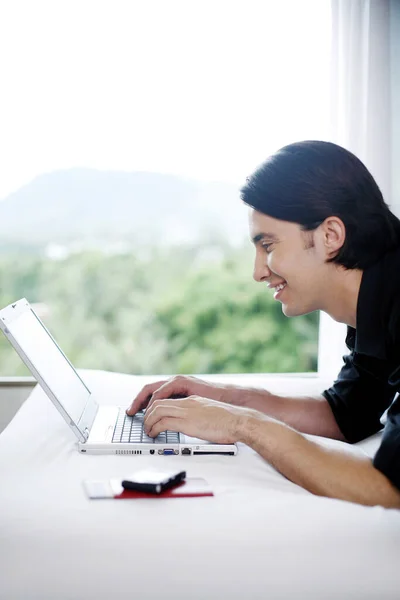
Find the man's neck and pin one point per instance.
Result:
(344, 288)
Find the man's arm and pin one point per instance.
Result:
(325, 472)
(356, 401)
(322, 471)
(311, 415)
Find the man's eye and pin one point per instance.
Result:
(267, 247)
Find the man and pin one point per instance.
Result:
(324, 240)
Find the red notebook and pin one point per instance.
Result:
(112, 488)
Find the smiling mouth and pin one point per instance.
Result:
(278, 290)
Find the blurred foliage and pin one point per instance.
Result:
(160, 311)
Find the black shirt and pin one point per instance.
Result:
(370, 377)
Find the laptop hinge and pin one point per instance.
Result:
(87, 417)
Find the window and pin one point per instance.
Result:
(127, 131)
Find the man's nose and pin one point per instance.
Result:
(261, 270)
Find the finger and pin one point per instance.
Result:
(164, 424)
(144, 397)
(164, 409)
(163, 398)
(173, 388)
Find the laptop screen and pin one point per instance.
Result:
(50, 362)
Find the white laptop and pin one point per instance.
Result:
(99, 429)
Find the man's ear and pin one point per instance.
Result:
(333, 235)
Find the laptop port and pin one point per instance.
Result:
(152, 451)
(166, 451)
(186, 451)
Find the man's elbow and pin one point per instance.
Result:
(384, 492)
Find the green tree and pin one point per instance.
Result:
(186, 309)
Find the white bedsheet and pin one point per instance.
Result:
(261, 536)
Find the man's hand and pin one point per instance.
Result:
(181, 387)
(306, 414)
(198, 417)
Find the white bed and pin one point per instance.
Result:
(261, 536)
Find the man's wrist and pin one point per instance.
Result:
(232, 394)
(245, 397)
(256, 429)
(249, 426)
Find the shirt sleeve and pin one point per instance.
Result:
(387, 458)
(360, 396)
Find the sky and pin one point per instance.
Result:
(198, 88)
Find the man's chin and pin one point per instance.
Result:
(291, 311)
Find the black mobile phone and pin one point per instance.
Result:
(153, 482)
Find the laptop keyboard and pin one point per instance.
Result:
(130, 430)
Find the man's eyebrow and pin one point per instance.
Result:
(262, 236)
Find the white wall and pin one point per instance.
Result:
(13, 393)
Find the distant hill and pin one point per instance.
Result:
(78, 204)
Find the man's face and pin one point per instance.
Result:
(291, 261)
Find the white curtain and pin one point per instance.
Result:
(361, 84)
(360, 117)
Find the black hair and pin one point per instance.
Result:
(308, 181)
